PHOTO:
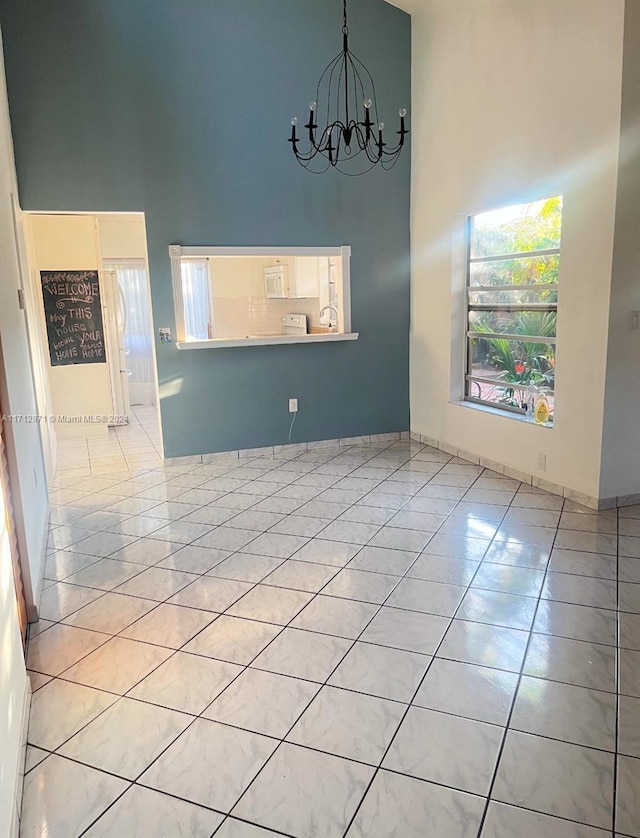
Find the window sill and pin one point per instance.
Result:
(268, 340)
(503, 414)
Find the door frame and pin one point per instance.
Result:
(120, 401)
(105, 213)
(10, 480)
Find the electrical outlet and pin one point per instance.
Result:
(542, 462)
(634, 320)
(293, 405)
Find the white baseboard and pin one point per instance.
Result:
(20, 763)
(295, 448)
(32, 607)
(594, 503)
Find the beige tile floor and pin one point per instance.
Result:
(133, 446)
(370, 642)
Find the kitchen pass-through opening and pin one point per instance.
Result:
(237, 294)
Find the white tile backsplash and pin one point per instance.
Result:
(242, 316)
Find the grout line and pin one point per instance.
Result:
(416, 691)
(614, 805)
(199, 716)
(281, 465)
(260, 652)
(514, 699)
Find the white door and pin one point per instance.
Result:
(114, 313)
(136, 328)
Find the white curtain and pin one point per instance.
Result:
(137, 325)
(196, 299)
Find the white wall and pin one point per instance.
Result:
(122, 237)
(24, 451)
(14, 689)
(514, 101)
(621, 437)
(238, 276)
(24, 444)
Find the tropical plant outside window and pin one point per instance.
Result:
(512, 308)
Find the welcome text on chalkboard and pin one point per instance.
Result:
(74, 317)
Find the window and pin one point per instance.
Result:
(232, 295)
(512, 305)
(196, 295)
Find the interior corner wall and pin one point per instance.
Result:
(512, 102)
(620, 475)
(183, 111)
(24, 444)
(28, 491)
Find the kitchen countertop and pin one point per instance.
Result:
(267, 340)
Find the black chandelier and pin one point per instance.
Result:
(353, 133)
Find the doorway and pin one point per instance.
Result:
(118, 382)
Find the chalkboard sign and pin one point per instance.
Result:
(74, 317)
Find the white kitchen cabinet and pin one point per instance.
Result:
(296, 277)
(304, 277)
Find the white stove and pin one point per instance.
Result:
(295, 324)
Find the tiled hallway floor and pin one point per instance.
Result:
(377, 642)
(124, 447)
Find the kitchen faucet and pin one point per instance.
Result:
(330, 308)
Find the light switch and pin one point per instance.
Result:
(634, 320)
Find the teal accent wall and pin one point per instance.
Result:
(181, 109)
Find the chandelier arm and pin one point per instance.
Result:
(394, 150)
(356, 174)
(328, 132)
(391, 151)
(372, 158)
(337, 147)
(360, 137)
(316, 146)
(321, 145)
(306, 157)
(313, 171)
(365, 145)
(355, 154)
(305, 161)
(387, 166)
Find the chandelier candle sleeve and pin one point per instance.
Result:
(349, 137)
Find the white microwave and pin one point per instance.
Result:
(275, 281)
